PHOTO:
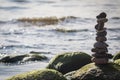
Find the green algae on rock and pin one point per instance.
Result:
(117, 61)
(110, 71)
(43, 74)
(69, 61)
(116, 56)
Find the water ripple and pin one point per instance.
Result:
(116, 18)
(11, 8)
(19, 1)
(12, 41)
(114, 29)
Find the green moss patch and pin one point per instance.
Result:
(117, 61)
(43, 74)
(116, 56)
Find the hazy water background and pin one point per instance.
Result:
(17, 38)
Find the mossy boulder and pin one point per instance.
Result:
(117, 61)
(43, 74)
(116, 56)
(110, 71)
(22, 58)
(69, 61)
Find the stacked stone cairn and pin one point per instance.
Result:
(100, 50)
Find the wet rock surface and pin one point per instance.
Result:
(116, 56)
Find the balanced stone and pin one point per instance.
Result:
(100, 45)
(99, 50)
(102, 33)
(102, 20)
(101, 15)
(104, 55)
(101, 39)
(99, 28)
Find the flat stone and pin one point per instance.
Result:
(101, 39)
(99, 26)
(102, 20)
(99, 50)
(102, 33)
(100, 45)
(100, 60)
(102, 55)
